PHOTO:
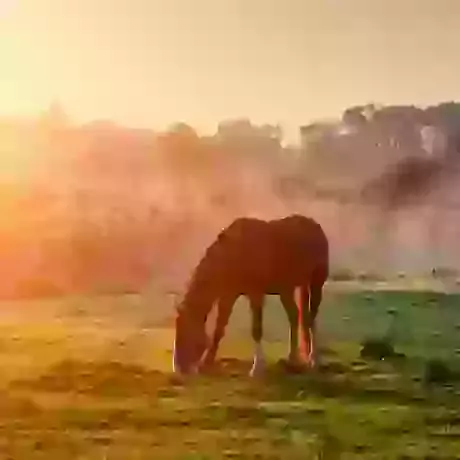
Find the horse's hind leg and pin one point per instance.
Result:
(292, 312)
(311, 297)
(257, 303)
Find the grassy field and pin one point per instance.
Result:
(89, 378)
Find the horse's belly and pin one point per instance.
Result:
(266, 266)
(267, 282)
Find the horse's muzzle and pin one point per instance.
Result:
(180, 367)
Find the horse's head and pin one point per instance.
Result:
(190, 341)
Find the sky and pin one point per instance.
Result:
(149, 63)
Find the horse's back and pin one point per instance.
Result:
(301, 246)
(275, 253)
(245, 246)
(293, 229)
(301, 237)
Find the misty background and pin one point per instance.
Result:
(158, 137)
(100, 207)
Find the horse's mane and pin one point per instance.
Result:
(213, 252)
(211, 260)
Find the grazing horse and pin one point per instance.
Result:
(253, 257)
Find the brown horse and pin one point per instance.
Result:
(254, 257)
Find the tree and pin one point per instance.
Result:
(181, 148)
(354, 117)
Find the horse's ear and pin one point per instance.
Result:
(175, 298)
(178, 307)
(177, 301)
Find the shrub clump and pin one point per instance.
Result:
(342, 274)
(377, 348)
(437, 371)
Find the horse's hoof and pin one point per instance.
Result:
(257, 372)
(211, 366)
(206, 369)
(177, 379)
(293, 366)
(296, 368)
(256, 375)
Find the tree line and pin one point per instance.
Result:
(104, 207)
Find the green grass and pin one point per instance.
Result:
(97, 384)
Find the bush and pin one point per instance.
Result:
(342, 274)
(370, 276)
(444, 272)
(437, 371)
(377, 348)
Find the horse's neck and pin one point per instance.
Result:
(202, 291)
(200, 297)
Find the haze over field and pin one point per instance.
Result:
(168, 120)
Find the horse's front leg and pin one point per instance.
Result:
(224, 310)
(258, 365)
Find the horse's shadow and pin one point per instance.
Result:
(239, 367)
(331, 379)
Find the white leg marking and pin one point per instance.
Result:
(258, 364)
(313, 355)
(174, 357)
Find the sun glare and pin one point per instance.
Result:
(6, 6)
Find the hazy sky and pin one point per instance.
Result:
(151, 62)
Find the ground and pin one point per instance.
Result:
(89, 378)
